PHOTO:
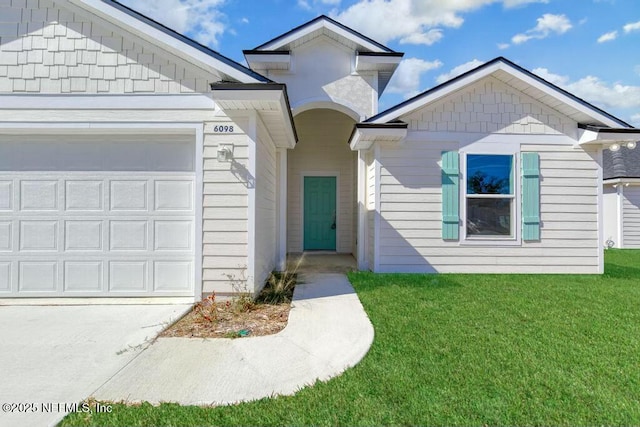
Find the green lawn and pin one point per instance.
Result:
(467, 350)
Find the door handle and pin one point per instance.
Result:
(333, 226)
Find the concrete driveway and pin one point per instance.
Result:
(56, 355)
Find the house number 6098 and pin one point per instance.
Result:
(223, 129)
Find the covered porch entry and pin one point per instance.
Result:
(322, 179)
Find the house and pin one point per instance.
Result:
(621, 197)
(135, 162)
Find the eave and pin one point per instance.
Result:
(606, 136)
(269, 100)
(364, 135)
(385, 63)
(263, 60)
(519, 79)
(122, 17)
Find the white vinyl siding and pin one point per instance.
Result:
(611, 216)
(371, 210)
(411, 213)
(631, 215)
(225, 210)
(266, 227)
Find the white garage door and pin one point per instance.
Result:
(90, 216)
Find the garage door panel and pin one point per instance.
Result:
(6, 236)
(38, 235)
(128, 235)
(172, 275)
(38, 276)
(173, 235)
(89, 220)
(6, 195)
(5, 276)
(129, 196)
(173, 196)
(83, 276)
(82, 235)
(84, 195)
(128, 276)
(38, 195)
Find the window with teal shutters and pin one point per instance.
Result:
(450, 195)
(530, 196)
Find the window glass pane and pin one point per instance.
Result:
(489, 217)
(489, 174)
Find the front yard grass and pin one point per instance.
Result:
(466, 350)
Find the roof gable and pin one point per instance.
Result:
(490, 105)
(519, 79)
(55, 49)
(167, 39)
(323, 25)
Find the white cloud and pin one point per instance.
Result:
(428, 38)
(245, 20)
(517, 3)
(596, 91)
(634, 26)
(309, 4)
(503, 46)
(406, 79)
(607, 37)
(412, 21)
(200, 19)
(460, 69)
(547, 24)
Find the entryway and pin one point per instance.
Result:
(310, 262)
(320, 213)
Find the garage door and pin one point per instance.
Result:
(97, 216)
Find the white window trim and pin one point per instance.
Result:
(516, 239)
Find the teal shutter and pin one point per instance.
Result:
(450, 195)
(530, 196)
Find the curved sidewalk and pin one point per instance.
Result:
(328, 332)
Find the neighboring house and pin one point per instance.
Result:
(135, 162)
(622, 198)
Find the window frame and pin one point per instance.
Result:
(516, 214)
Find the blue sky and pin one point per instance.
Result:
(589, 47)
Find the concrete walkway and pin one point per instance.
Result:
(328, 332)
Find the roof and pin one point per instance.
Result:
(370, 55)
(269, 100)
(170, 40)
(520, 79)
(624, 163)
(319, 25)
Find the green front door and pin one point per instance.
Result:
(320, 213)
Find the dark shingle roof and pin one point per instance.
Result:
(623, 163)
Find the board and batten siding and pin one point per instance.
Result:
(631, 217)
(411, 215)
(265, 220)
(47, 48)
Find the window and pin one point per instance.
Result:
(490, 196)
